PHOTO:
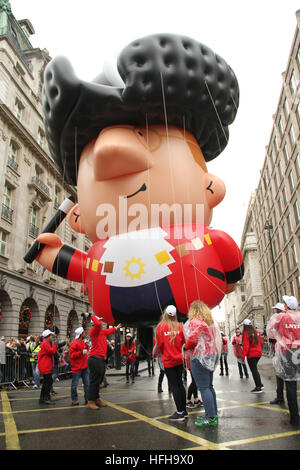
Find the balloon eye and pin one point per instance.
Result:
(140, 133)
(209, 187)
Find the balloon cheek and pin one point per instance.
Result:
(215, 190)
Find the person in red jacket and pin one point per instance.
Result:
(252, 342)
(128, 350)
(204, 340)
(237, 343)
(96, 360)
(170, 340)
(45, 366)
(78, 358)
(284, 327)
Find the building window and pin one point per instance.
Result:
(288, 262)
(286, 154)
(286, 109)
(296, 212)
(280, 126)
(284, 196)
(280, 168)
(293, 84)
(291, 181)
(276, 144)
(18, 109)
(33, 229)
(294, 253)
(41, 137)
(289, 224)
(292, 136)
(297, 164)
(3, 243)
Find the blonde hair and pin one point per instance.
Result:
(173, 325)
(199, 309)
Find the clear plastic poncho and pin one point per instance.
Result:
(207, 339)
(285, 329)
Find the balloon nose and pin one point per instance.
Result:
(117, 152)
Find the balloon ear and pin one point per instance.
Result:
(75, 220)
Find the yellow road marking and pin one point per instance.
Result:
(168, 428)
(11, 433)
(261, 438)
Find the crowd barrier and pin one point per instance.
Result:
(17, 371)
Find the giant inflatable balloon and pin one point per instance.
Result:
(136, 146)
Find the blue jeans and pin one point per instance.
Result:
(84, 374)
(130, 369)
(36, 374)
(204, 381)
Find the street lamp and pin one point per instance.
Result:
(269, 227)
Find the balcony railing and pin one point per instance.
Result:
(33, 231)
(11, 162)
(6, 212)
(39, 185)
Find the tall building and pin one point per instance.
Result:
(274, 210)
(31, 190)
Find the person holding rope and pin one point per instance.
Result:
(170, 341)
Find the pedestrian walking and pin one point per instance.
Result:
(278, 308)
(34, 348)
(170, 341)
(224, 354)
(128, 351)
(204, 340)
(45, 365)
(285, 328)
(96, 360)
(252, 342)
(237, 343)
(78, 358)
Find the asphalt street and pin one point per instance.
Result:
(136, 418)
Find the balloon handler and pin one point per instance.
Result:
(141, 136)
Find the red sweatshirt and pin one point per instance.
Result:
(45, 357)
(129, 352)
(78, 360)
(99, 338)
(171, 353)
(251, 349)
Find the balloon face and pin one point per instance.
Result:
(145, 197)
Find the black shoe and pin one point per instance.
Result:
(159, 390)
(221, 373)
(177, 417)
(256, 390)
(295, 421)
(276, 401)
(47, 402)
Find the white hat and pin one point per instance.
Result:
(247, 322)
(129, 334)
(290, 301)
(78, 332)
(47, 333)
(171, 310)
(279, 305)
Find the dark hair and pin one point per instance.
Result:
(166, 77)
(251, 332)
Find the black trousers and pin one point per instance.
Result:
(174, 375)
(291, 395)
(192, 390)
(241, 367)
(224, 358)
(46, 387)
(252, 361)
(96, 367)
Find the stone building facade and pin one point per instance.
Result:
(271, 236)
(31, 190)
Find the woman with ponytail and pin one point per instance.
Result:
(170, 340)
(252, 350)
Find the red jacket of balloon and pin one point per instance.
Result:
(237, 343)
(192, 261)
(129, 352)
(78, 360)
(250, 349)
(99, 338)
(171, 351)
(45, 357)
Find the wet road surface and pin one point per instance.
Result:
(136, 418)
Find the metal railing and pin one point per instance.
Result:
(6, 212)
(268, 349)
(17, 371)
